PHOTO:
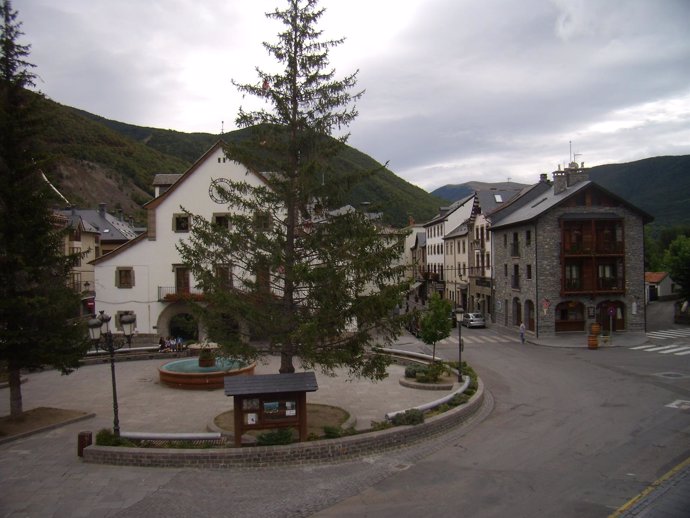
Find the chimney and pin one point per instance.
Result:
(543, 178)
(101, 209)
(120, 215)
(559, 181)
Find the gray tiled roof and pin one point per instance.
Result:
(270, 383)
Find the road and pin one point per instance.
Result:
(573, 433)
(565, 433)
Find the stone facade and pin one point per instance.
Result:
(529, 273)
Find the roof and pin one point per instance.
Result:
(176, 185)
(166, 179)
(461, 230)
(270, 384)
(446, 211)
(654, 277)
(111, 228)
(542, 198)
(420, 240)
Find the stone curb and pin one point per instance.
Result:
(311, 452)
(10, 438)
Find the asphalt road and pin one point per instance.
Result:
(573, 433)
(565, 433)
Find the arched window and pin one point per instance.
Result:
(570, 316)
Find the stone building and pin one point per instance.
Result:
(568, 254)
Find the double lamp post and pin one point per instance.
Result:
(99, 330)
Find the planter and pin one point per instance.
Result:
(592, 342)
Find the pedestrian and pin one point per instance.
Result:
(522, 332)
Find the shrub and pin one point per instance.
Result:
(433, 372)
(411, 371)
(412, 416)
(380, 425)
(332, 432)
(275, 437)
(106, 437)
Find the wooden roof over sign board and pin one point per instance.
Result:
(270, 384)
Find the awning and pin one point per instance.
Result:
(415, 286)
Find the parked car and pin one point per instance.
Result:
(473, 320)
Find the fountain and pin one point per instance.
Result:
(187, 374)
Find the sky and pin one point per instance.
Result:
(455, 90)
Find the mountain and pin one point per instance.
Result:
(456, 192)
(659, 185)
(95, 160)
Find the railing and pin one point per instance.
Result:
(173, 293)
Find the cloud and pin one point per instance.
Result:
(455, 90)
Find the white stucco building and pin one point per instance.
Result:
(146, 276)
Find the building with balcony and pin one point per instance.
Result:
(146, 275)
(567, 254)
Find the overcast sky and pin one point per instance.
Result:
(456, 90)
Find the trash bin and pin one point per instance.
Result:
(83, 440)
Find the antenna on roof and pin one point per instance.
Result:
(222, 127)
(570, 157)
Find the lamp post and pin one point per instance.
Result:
(99, 327)
(458, 316)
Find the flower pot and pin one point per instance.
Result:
(592, 342)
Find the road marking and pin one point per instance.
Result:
(683, 353)
(625, 507)
(661, 348)
(669, 333)
(642, 347)
(680, 404)
(676, 350)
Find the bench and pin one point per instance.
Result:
(158, 439)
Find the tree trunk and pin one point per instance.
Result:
(16, 407)
(286, 366)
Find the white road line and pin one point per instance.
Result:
(669, 333)
(655, 349)
(676, 350)
(683, 353)
(642, 347)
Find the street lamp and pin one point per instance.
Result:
(458, 315)
(99, 327)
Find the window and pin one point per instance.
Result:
(124, 277)
(180, 223)
(76, 252)
(505, 270)
(573, 275)
(463, 246)
(505, 240)
(528, 237)
(222, 220)
(529, 271)
(515, 281)
(488, 262)
(224, 276)
(182, 283)
(262, 221)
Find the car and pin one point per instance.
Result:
(473, 320)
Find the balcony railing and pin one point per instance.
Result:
(173, 293)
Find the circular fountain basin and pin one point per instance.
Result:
(186, 373)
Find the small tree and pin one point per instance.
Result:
(677, 261)
(316, 283)
(37, 309)
(436, 324)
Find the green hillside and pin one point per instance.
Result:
(139, 153)
(659, 186)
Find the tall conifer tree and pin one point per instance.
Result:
(37, 309)
(317, 284)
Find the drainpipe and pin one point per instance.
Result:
(536, 278)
